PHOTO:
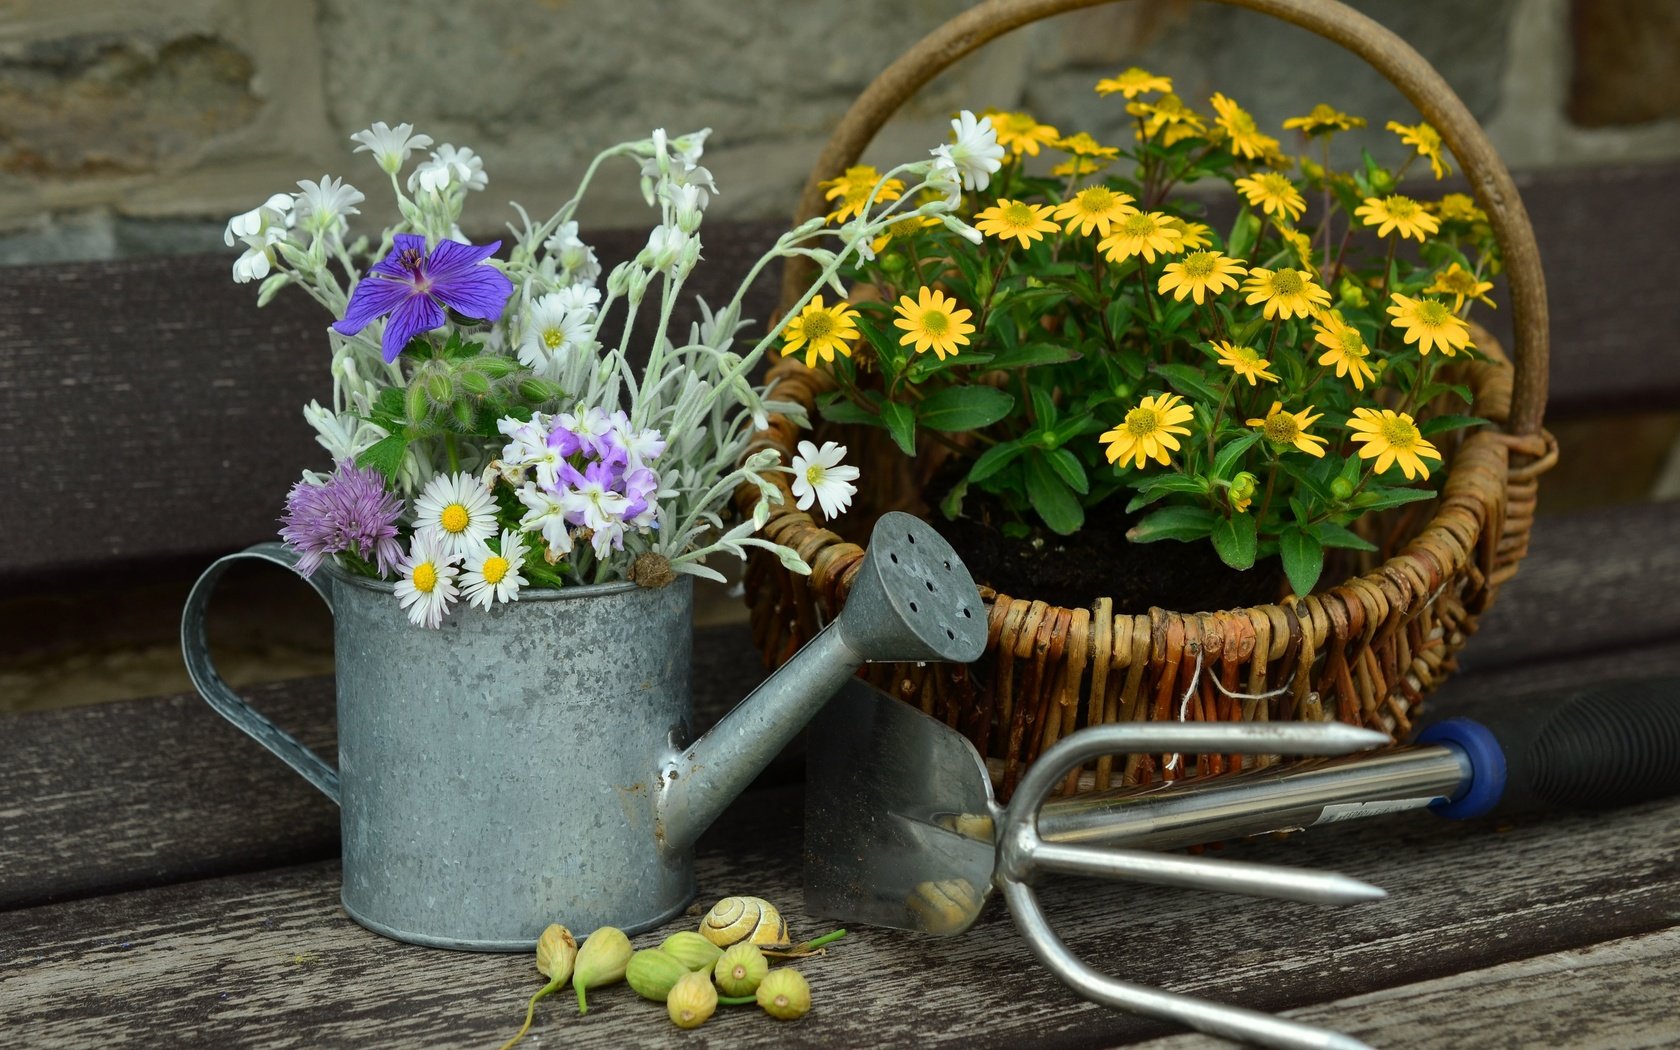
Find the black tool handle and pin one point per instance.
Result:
(1606, 745)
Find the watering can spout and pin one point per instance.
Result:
(912, 599)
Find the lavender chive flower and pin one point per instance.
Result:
(352, 511)
(414, 287)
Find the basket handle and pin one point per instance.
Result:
(1387, 53)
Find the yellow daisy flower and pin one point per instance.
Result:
(1021, 133)
(1170, 112)
(1237, 123)
(1345, 348)
(902, 228)
(1192, 236)
(1018, 219)
(1147, 431)
(932, 321)
(1245, 361)
(1289, 429)
(1079, 167)
(1287, 293)
(821, 331)
(1273, 193)
(1458, 207)
(1323, 120)
(1300, 242)
(852, 190)
(1133, 82)
(1392, 437)
(1430, 324)
(1461, 284)
(1427, 141)
(1083, 145)
(1395, 212)
(1200, 273)
(1140, 233)
(1094, 208)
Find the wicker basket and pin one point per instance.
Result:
(1365, 652)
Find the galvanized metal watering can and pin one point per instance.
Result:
(534, 763)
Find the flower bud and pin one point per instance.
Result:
(415, 408)
(1341, 488)
(692, 950)
(475, 382)
(784, 994)
(602, 960)
(652, 973)
(539, 391)
(440, 389)
(1243, 485)
(691, 1000)
(556, 950)
(739, 969)
(894, 263)
(618, 281)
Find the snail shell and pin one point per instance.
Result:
(737, 920)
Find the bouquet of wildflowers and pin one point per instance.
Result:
(1068, 336)
(487, 429)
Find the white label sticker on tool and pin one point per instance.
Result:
(1361, 810)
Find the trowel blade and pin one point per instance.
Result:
(898, 817)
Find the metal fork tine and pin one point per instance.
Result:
(1205, 873)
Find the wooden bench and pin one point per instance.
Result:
(163, 881)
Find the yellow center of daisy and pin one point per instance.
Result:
(1141, 422)
(904, 227)
(1096, 199)
(935, 322)
(1353, 344)
(1282, 429)
(1198, 264)
(425, 577)
(818, 326)
(1402, 207)
(1018, 213)
(1399, 433)
(1432, 313)
(1138, 225)
(495, 567)
(1246, 354)
(1287, 282)
(1457, 281)
(553, 337)
(1020, 123)
(453, 519)
(814, 474)
(1276, 185)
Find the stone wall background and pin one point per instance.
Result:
(138, 126)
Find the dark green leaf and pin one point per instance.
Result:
(388, 409)
(901, 424)
(1189, 381)
(1244, 232)
(1151, 489)
(1069, 469)
(1332, 535)
(841, 410)
(962, 408)
(1303, 559)
(1051, 497)
(1382, 499)
(1034, 354)
(1440, 424)
(994, 459)
(385, 455)
(1043, 406)
(1231, 452)
(1173, 523)
(1235, 538)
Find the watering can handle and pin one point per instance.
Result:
(195, 648)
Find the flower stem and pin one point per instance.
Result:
(808, 947)
(450, 450)
(1266, 500)
(737, 1000)
(531, 1011)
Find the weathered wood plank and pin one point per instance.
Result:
(1614, 994)
(268, 959)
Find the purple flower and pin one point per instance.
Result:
(352, 512)
(414, 287)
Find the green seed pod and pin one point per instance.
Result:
(652, 973)
(465, 414)
(415, 408)
(475, 382)
(494, 367)
(692, 950)
(440, 389)
(691, 1001)
(784, 994)
(601, 960)
(539, 391)
(739, 969)
(556, 951)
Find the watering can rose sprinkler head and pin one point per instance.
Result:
(912, 599)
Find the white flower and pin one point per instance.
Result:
(259, 229)
(449, 167)
(593, 505)
(390, 146)
(665, 249)
(819, 477)
(456, 509)
(578, 264)
(688, 202)
(555, 329)
(321, 207)
(427, 587)
(976, 152)
(495, 577)
(545, 514)
(944, 178)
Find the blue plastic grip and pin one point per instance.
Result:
(1487, 766)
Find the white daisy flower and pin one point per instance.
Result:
(554, 331)
(449, 167)
(578, 264)
(457, 510)
(390, 146)
(819, 477)
(427, 587)
(321, 207)
(976, 152)
(495, 577)
(259, 229)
